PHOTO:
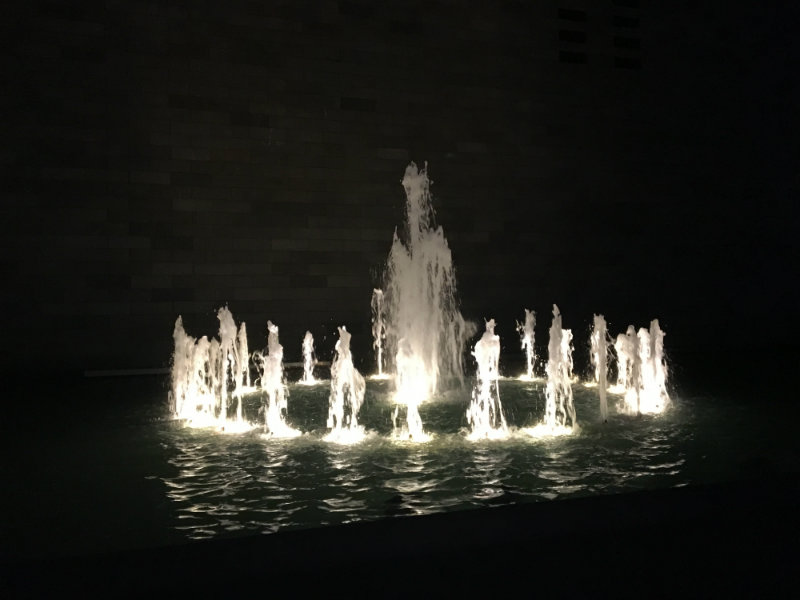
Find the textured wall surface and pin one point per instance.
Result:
(166, 158)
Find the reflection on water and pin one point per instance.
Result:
(224, 485)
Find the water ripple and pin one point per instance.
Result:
(231, 484)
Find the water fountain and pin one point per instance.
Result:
(599, 357)
(625, 347)
(425, 332)
(244, 353)
(308, 360)
(203, 371)
(272, 382)
(485, 413)
(378, 330)
(642, 370)
(416, 324)
(527, 340)
(347, 394)
(559, 414)
(653, 397)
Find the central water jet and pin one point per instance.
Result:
(425, 331)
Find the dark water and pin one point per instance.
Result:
(105, 468)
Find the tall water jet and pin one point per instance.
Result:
(230, 359)
(625, 347)
(599, 340)
(308, 360)
(526, 330)
(209, 354)
(198, 391)
(485, 413)
(378, 328)
(629, 355)
(244, 355)
(273, 384)
(425, 332)
(241, 373)
(181, 372)
(559, 416)
(347, 394)
(653, 396)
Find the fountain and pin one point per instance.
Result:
(347, 395)
(559, 414)
(526, 338)
(244, 353)
(599, 356)
(417, 326)
(642, 370)
(485, 413)
(425, 332)
(272, 382)
(653, 396)
(625, 347)
(308, 360)
(378, 330)
(203, 371)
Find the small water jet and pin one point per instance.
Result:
(378, 330)
(272, 382)
(599, 357)
(485, 413)
(347, 394)
(526, 337)
(308, 360)
(425, 332)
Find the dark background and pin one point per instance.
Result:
(636, 159)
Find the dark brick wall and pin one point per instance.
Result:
(165, 158)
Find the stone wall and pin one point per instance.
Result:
(166, 158)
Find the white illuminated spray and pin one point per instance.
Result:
(485, 412)
(599, 341)
(203, 372)
(273, 384)
(347, 394)
(241, 373)
(308, 360)
(630, 378)
(244, 355)
(425, 332)
(230, 359)
(527, 340)
(653, 396)
(181, 372)
(642, 368)
(378, 328)
(627, 354)
(211, 384)
(559, 407)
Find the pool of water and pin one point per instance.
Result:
(104, 468)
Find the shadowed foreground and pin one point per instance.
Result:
(724, 538)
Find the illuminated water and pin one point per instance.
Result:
(107, 468)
